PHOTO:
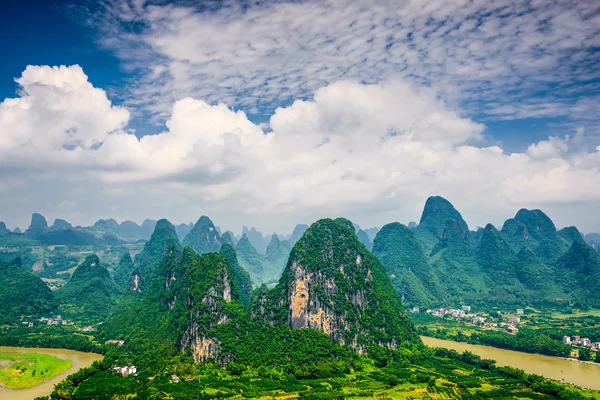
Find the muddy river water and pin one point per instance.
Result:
(578, 373)
(78, 359)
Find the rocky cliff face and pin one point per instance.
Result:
(333, 284)
(185, 307)
(38, 226)
(136, 281)
(205, 316)
(209, 287)
(240, 277)
(310, 307)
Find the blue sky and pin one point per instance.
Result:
(521, 78)
(39, 32)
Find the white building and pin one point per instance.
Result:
(520, 311)
(566, 339)
(466, 308)
(126, 371)
(88, 329)
(586, 342)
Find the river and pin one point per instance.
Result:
(79, 360)
(577, 373)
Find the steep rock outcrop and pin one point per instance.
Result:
(578, 270)
(60, 224)
(37, 227)
(149, 259)
(402, 256)
(203, 238)
(334, 285)
(135, 281)
(3, 229)
(240, 277)
(210, 288)
(90, 291)
(22, 293)
(570, 234)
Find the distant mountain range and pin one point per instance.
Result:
(439, 261)
(110, 232)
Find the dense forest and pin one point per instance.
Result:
(321, 307)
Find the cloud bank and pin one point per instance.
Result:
(373, 152)
(504, 59)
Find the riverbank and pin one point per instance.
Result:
(25, 370)
(78, 360)
(585, 375)
(579, 361)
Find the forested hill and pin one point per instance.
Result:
(333, 284)
(197, 305)
(437, 262)
(526, 262)
(22, 293)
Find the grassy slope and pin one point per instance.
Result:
(21, 371)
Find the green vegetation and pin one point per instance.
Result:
(196, 318)
(275, 259)
(412, 277)
(332, 275)
(241, 278)
(148, 261)
(123, 272)
(526, 263)
(527, 341)
(22, 293)
(3, 229)
(263, 268)
(579, 271)
(414, 372)
(250, 260)
(89, 292)
(540, 332)
(188, 304)
(55, 337)
(203, 238)
(20, 371)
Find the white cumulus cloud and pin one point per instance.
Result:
(373, 152)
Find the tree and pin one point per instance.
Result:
(585, 354)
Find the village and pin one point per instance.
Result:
(583, 342)
(509, 322)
